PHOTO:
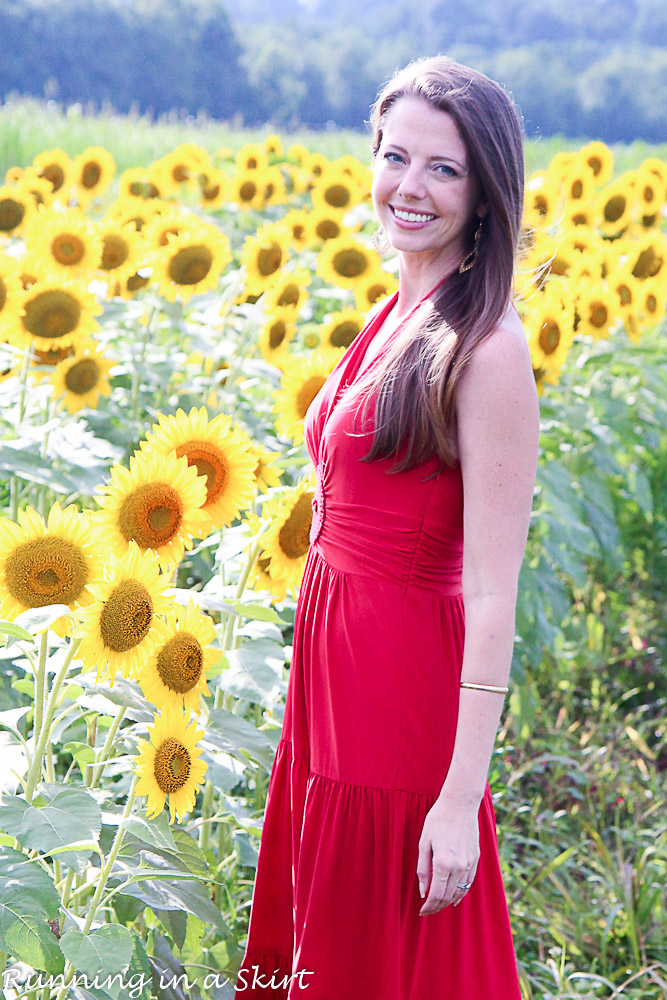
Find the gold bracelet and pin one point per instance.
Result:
(484, 687)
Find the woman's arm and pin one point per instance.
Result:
(498, 428)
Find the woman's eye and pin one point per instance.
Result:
(393, 157)
(445, 170)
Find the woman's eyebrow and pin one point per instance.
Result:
(401, 149)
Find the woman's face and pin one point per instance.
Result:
(423, 191)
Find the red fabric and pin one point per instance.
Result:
(369, 729)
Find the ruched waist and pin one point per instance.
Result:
(389, 545)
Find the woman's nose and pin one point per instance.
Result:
(412, 183)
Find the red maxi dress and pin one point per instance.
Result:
(368, 734)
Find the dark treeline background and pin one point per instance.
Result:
(597, 68)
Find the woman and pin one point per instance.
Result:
(378, 875)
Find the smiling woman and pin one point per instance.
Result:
(424, 441)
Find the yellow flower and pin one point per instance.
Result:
(252, 157)
(169, 765)
(117, 631)
(600, 160)
(264, 255)
(174, 675)
(83, 378)
(275, 335)
(156, 503)
(541, 201)
(302, 380)
(63, 242)
(10, 287)
(549, 325)
(135, 212)
(345, 262)
(213, 188)
(596, 308)
(652, 302)
(341, 328)
(47, 563)
(648, 256)
(214, 450)
(297, 223)
(614, 206)
(56, 313)
(288, 294)
(286, 541)
(335, 191)
(377, 285)
(56, 166)
(273, 145)
(92, 173)
(324, 226)
(141, 183)
(191, 263)
(246, 190)
(273, 186)
(123, 250)
(260, 577)
(16, 206)
(267, 474)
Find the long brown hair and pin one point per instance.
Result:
(416, 380)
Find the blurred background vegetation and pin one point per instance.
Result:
(595, 69)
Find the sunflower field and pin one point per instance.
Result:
(163, 332)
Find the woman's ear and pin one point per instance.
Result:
(482, 209)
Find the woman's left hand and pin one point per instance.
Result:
(448, 853)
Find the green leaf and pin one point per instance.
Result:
(255, 672)
(71, 815)
(26, 933)
(83, 754)
(190, 854)
(103, 954)
(155, 832)
(15, 631)
(20, 874)
(161, 891)
(257, 612)
(37, 620)
(233, 734)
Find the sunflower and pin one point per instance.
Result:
(191, 262)
(56, 166)
(652, 301)
(173, 222)
(274, 191)
(141, 183)
(267, 474)
(614, 206)
(288, 294)
(41, 563)
(63, 242)
(16, 206)
(252, 157)
(297, 223)
(299, 154)
(324, 226)
(335, 191)
(600, 160)
(184, 164)
(169, 765)
(135, 212)
(215, 450)
(648, 256)
(174, 675)
(10, 287)
(651, 191)
(83, 378)
(123, 249)
(596, 308)
(549, 325)
(286, 541)
(260, 577)
(375, 286)
(117, 631)
(540, 201)
(56, 313)
(345, 262)
(316, 164)
(302, 380)
(264, 255)
(92, 173)
(213, 188)
(341, 328)
(274, 336)
(38, 187)
(626, 288)
(157, 504)
(273, 145)
(246, 190)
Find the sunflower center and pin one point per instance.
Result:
(337, 195)
(135, 282)
(648, 264)
(289, 295)
(151, 515)
(651, 303)
(190, 265)
(180, 663)
(210, 192)
(91, 173)
(294, 534)
(82, 376)
(615, 208)
(11, 214)
(343, 334)
(577, 189)
(51, 314)
(350, 263)
(210, 462)
(126, 616)
(375, 292)
(114, 253)
(595, 163)
(598, 314)
(68, 249)
(46, 570)
(277, 334)
(54, 174)
(327, 229)
(247, 191)
(269, 259)
(172, 765)
(541, 205)
(264, 562)
(624, 294)
(549, 336)
(307, 393)
(180, 173)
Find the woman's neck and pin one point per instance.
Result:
(419, 274)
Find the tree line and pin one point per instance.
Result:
(596, 69)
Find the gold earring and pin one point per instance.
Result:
(380, 241)
(469, 260)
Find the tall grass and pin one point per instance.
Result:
(28, 126)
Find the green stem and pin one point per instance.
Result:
(206, 806)
(106, 749)
(240, 587)
(36, 769)
(40, 685)
(138, 367)
(101, 884)
(65, 897)
(23, 382)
